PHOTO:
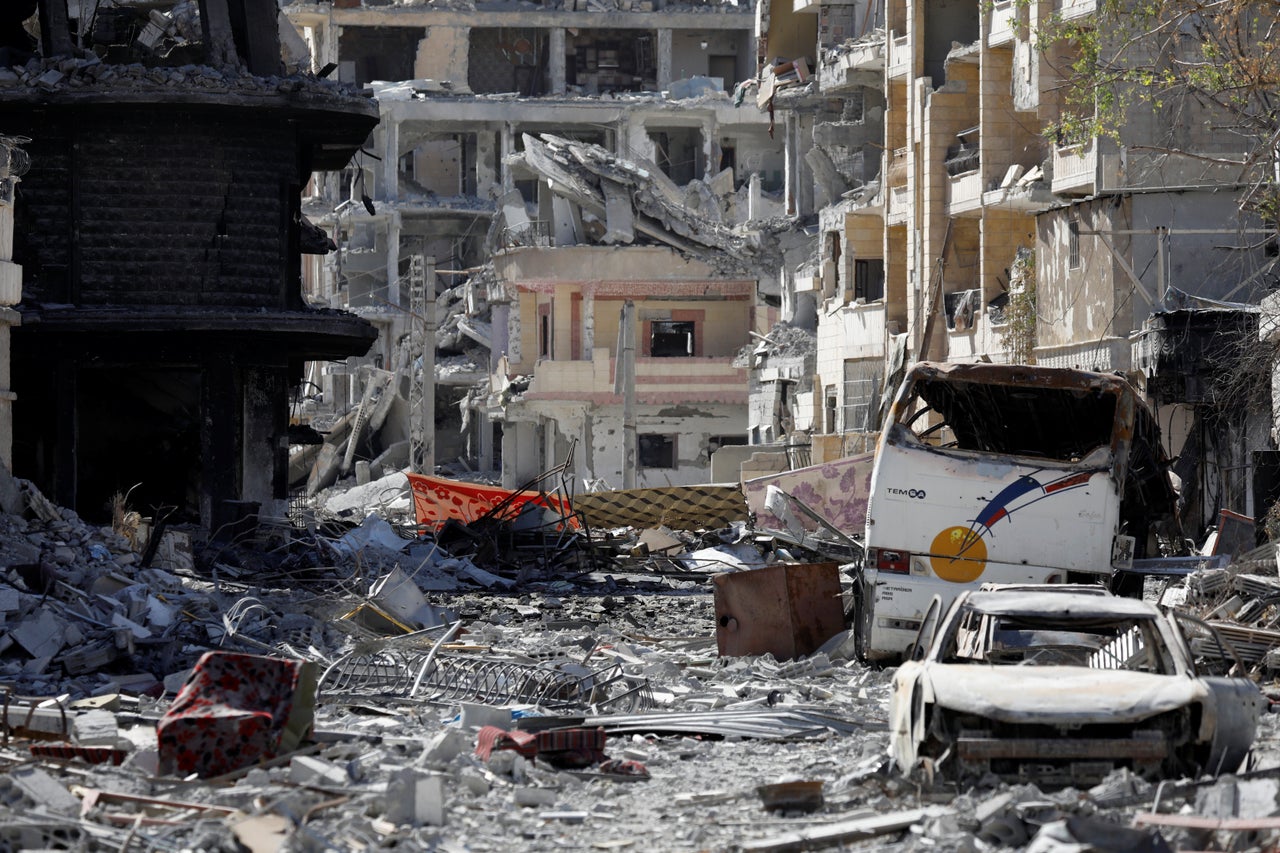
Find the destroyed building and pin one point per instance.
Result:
(159, 233)
(484, 109)
(954, 226)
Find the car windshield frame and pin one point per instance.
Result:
(1124, 641)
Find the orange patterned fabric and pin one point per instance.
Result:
(436, 500)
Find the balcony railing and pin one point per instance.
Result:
(533, 233)
(964, 192)
(899, 205)
(1073, 9)
(1004, 23)
(899, 57)
(710, 378)
(1075, 169)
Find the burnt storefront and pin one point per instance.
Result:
(159, 230)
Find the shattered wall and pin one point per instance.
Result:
(161, 238)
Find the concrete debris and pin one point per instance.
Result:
(1238, 601)
(688, 749)
(690, 218)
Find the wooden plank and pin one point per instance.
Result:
(837, 833)
(1192, 821)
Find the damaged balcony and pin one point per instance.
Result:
(1188, 356)
(898, 65)
(1074, 10)
(964, 175)
(1004, 23)
(854, 63)
(1079, 169)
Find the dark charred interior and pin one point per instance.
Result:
(159, 229)
(1062, 424)
(1053, 423)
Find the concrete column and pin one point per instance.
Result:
(393, 258)
(10, 294)
(664, 60)
(222, 401)
(633, 138)
(329, 48)
(390, 161)
(710, 148)
(484, 436)
(487, 166)
(429, 367)
(588, 325)
(215, 22)
(506, 147)
(8, 319)
(791, 194)
(265, 452)
(562, 323)
(804, 177)
(555, 61)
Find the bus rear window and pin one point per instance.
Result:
(1053, 423)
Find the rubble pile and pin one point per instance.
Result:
(91, 76)
(580, 712)
(1240, 601)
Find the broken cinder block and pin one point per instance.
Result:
(415, 798)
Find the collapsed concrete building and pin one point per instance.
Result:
(952, 226)
(160, 235)
(893, 154)
(535, 252)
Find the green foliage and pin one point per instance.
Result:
(1221, 60)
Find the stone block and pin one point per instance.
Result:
(415, 798)
(305, 770)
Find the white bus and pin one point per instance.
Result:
(991, 473)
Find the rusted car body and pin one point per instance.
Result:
(1061, 686)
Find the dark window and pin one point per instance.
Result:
(1073, 243)
(656, 451)
(716, 442)
(671, 339)
(544, 336)
(868, 279)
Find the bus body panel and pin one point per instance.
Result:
(966, 520)
(942, 519)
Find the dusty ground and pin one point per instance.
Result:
(346, 789)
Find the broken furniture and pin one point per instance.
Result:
(787, 610)
(235, 710)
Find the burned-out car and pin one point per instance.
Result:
(1061, 685)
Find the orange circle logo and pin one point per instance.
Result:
(958, 554)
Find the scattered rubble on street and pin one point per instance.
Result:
(442, 702)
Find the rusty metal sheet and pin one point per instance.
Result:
(1022, 375)
(787, 610)
(678, 507)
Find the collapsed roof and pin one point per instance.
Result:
(635, 200)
